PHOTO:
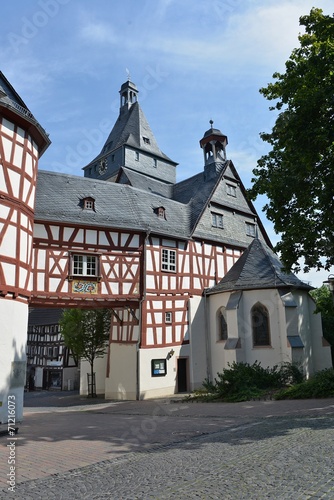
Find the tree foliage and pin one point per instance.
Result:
(86, 333)
(325, 305)
(297, 175)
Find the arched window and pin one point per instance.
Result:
(260, 325)
(222, 324)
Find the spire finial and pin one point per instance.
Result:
(128, 73)
(211, 123)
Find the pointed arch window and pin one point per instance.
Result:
(260, 326)
(222, 324)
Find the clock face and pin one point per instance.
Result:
(103, 166)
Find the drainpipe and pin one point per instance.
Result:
(140, 316)
(207, 338)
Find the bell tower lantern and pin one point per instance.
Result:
(214, 144)
(129, 95)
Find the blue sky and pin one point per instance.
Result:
(192, 61)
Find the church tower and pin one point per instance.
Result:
(131, 144)
(22, 142)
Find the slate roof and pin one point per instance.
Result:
(130, 128)
(142, 181)
(258, 267)
(10, 99)
(44, 316)
(119, 206)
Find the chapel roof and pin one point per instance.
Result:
(258, 267)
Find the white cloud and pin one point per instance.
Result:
(98, 32)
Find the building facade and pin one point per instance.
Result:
(129, 237)
(50, 364)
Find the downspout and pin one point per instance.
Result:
(191, 368)
(207, 338)
(143, 280)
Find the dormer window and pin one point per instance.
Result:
(161, 212)
(88, 203)
(146, 140)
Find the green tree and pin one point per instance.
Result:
(297, 175)
(86, 333)
(325, 305)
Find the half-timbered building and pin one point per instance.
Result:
(126, 235)
(50, 364)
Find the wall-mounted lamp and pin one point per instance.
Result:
(330, 281)
(170, 354)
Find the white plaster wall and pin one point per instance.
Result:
(122, 381)
(267, 356)
(219, 356)
(239, 325)
(298, 320)
(71, 377)
(151, 387)
(38, 377)
(100, 375)
(199, 327)
(321, 355)
(13, 339)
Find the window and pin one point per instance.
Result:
(137, 156)
(84, 265)
(217, 220)
(112, 157)
(250, 229)
(161, 212)
(155, 162)
(231, 190)
(168, 260)
(88, 204)
(222, 324)
(168, 317)
(260, 326)
(146, 140)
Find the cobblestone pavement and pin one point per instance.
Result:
(166, 449)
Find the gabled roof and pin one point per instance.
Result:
(258, 267)
(196, 192)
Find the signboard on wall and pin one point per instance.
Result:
(159, 367)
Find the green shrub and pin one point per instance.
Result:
(320, 385)
(243, 382)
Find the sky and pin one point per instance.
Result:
(192, 60)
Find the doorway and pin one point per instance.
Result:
(182, 375)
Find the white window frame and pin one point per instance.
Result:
(168, 317)
(84, 265)
(168, 260)
(217, 220)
